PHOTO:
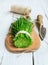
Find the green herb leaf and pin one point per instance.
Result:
(21, 24)
(22, 40)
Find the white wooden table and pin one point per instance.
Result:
(41, 55)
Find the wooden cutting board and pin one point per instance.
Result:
(33, 47)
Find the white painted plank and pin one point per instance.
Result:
(41, 56)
